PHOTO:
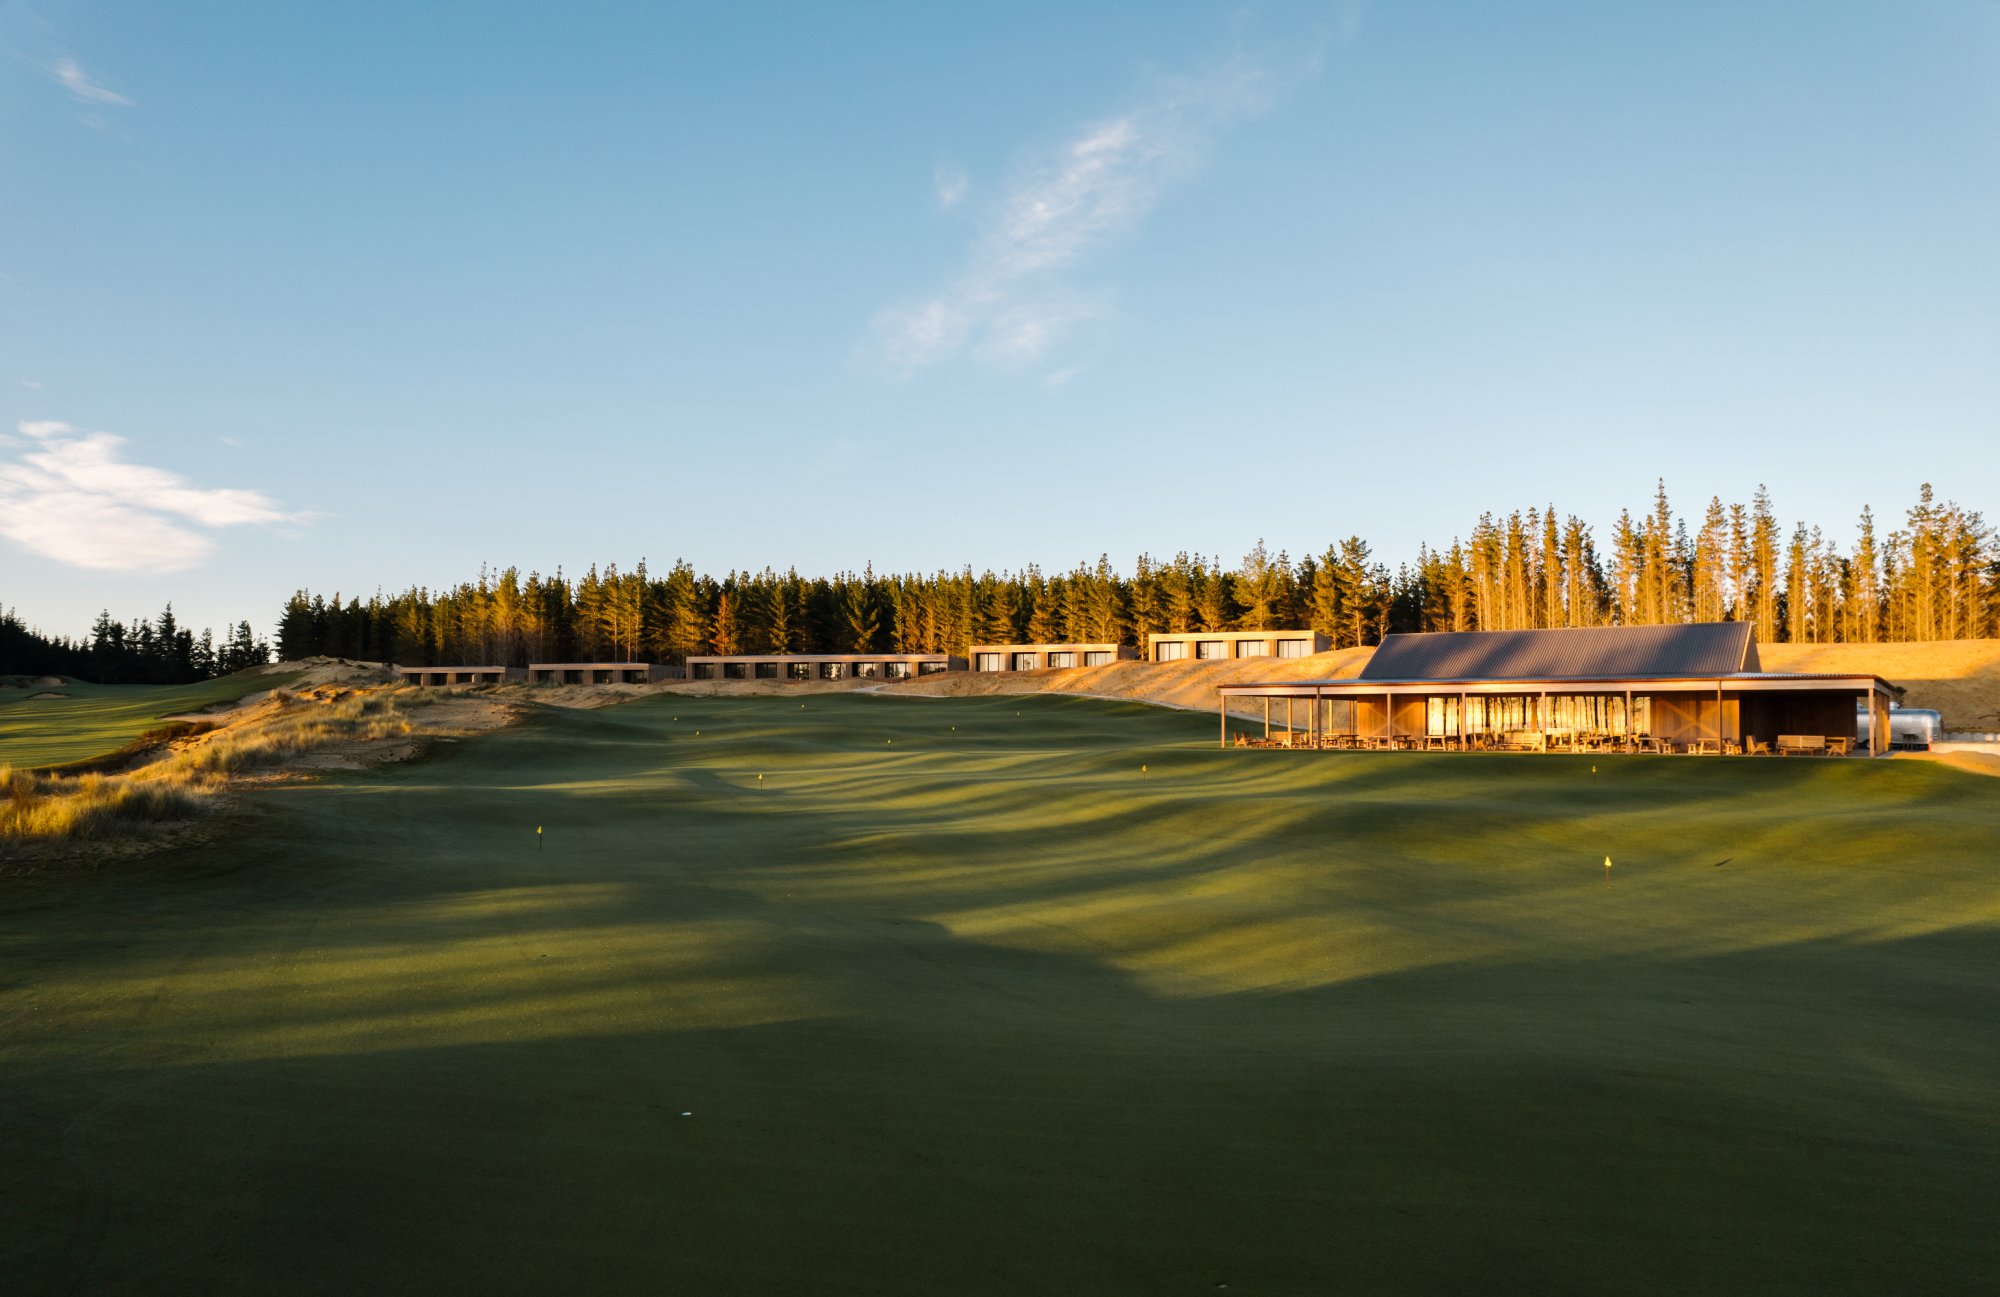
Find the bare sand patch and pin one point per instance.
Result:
(1958, 678)
(1976, 763)
(1190, 685)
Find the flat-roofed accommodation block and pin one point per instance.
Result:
(1695, 688)
(600, 673)
(1205, 646)
(819, 666)
(1036, 657)
(458, 675)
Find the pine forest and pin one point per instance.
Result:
(1935, 577)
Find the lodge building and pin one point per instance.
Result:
(1695, 688)
(819, 666)
(1211, 645)
(1037, 657)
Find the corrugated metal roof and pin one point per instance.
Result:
(1626, 652)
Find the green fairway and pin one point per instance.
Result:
(957, 1000)
(94, 719)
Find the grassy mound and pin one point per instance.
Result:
(1016, 995)
(90, 721)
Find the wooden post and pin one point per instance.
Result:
(1267, 716)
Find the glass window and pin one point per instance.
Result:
(1440, 716)
(1026, 661)
(736, 670)
(1211, 648)
(833, 670)
(987, 662)
(766, 670)
(1294, 648)
(799, 670)
(896, 670)
(1170, 650)
(1253, 648)
(703, 670)
(868, 670)
(1062, 659)
(1097, 658)
(931, 668)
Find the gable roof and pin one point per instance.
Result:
(1619, 652)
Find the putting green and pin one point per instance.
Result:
(90, 720)
(985, 1009)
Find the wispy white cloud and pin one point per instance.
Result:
(1009, 304)
(71, 496)
(80, 85)
(32, 384)
(951, 182)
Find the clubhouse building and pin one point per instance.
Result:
(1685, 689)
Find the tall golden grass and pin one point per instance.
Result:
(186, 781)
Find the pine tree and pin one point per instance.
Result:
(1764, 565)
(1257, 589)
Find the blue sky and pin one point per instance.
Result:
(354, 295)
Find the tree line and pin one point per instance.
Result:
(156, 652)
(1937, 576)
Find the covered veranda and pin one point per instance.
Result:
(1741, 714)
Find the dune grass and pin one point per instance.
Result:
(96, 798)
(957, 999)
(92, 720)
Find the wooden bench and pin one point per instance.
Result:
(1801, 745)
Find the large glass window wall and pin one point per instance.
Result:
(1574, 713)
